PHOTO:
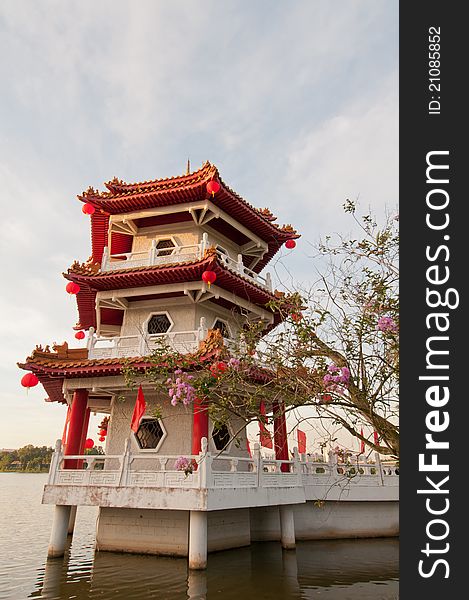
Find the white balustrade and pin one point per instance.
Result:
(154, 257)
(212, 471)
(143, 345)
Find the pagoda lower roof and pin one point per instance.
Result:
(92, 280)
(124, 198)
(52, 368)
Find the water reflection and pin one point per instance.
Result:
(345, 569)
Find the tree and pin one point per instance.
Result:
(31, 458)
(336, 350)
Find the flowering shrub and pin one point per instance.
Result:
(181, 389)
(234, 363)
(387, 325)
(184, 464)
(335, 380)
(343, 455)
(218, 369)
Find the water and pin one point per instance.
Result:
(338, 570)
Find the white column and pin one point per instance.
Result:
(72, 519)
(287, 527)
(197, 540)
(58, 535)
(196, 585)
(105, 260)
(152, 253)
(240, 264)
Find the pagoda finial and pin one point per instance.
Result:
(188, 168)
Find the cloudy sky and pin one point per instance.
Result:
(295, 101)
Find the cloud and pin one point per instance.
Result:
(296, 102)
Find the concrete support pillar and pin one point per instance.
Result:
(196, 585)
(287, 527)
(58, 536)
(199, 425)
(72, 519)
(77, 431)
(197, 540)
(280, 434)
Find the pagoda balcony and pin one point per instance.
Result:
(192, 253)
(151, 480)
(126, 346)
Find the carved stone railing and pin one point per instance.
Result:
(359, 472)
(143, 344)
(213, 471)
(167, 256)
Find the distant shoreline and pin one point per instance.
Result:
(25, 471)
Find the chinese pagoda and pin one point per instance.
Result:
(177, 262)
(152, 246)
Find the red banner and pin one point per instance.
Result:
(301, 437)
(139, 410)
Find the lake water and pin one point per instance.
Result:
(339, 570)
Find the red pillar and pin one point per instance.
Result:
(199, 425)
(78, 415)
(84, 435)
(280, 434)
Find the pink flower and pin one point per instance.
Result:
(386, 324)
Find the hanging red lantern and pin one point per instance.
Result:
(103, 432)
(209, 277)
(89, 443)
(88, 209)
(80, 335)
(29, 380)
(213, 187)
(290, 244)
(102, 439)
(72, 287)
(218, 368)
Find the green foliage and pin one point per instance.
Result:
(28, 458)
(337, 348)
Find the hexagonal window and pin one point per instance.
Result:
(158, 324)
(222, 328)
(165, 247)
(221, 436)
(149, 434)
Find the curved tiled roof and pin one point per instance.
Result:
(91, 280)
(124, 197)
(52, 367)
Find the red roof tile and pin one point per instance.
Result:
(91, 280)
(128, 197)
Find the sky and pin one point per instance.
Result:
(295, 101)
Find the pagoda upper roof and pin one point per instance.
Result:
(122, 197)
(92, 280)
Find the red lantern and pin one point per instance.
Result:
(102, 439)
(209, 277)
(213, 187)
(88, 209)
(29, 380)
(72, 287)
(326, 398)
(89, 443)
(103, 432)
(290, 244)
(80, 335)
(218, 368)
